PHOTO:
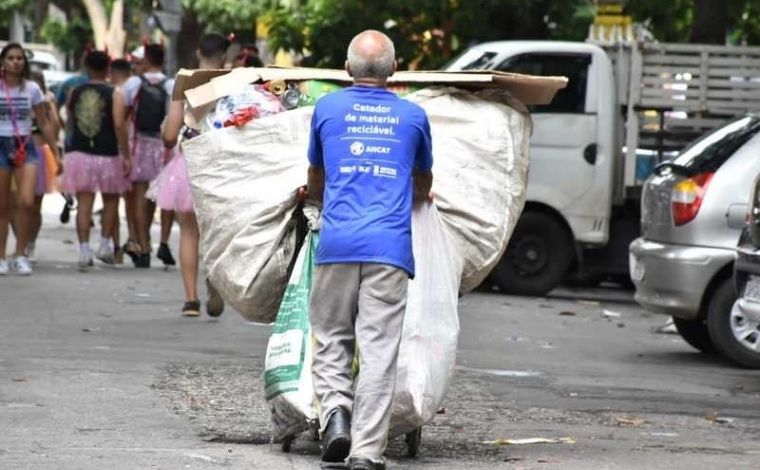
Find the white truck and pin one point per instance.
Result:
(627, 107)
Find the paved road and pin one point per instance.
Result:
(98, 370)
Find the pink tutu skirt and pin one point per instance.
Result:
(147, 158)
(171, 189)
(84, 172)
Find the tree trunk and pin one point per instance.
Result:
(116, 37)
(99, 21)
(187, 41)
(40, 14)
(710, 22)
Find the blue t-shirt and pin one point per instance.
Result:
(369, 141)
(68, 86)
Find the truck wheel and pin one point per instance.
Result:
(696, 334)
(538, 256)
(734, 335)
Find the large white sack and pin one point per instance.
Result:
(480, 171)
(244, 184)
(427, 353)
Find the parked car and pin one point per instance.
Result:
(745, 314)
(49, 64)
(692, 212)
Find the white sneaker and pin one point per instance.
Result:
(29, 252)
(85, 259)
(105, 253)
(23, 266)
(3, 267)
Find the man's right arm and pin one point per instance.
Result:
(129, 91)
(315, 185)
(315, 181)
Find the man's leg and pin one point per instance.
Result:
(142, 222)
(379, 323)
(333, 306)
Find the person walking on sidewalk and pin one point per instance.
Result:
(45, 169)
(93, 163)
(147, 96)
(21, 100)
(119, 73)
(171, 189)
(368, 177)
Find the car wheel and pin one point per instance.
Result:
(538, 256)
(696, 334)
(735, 335)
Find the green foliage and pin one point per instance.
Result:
(669, 21)
(70, 38)
(225, 15)
(426, 32)
(7, 7)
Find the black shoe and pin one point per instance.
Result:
(132, 249)
(336, 442)
(191, 308)
(65, 213)
(165, 255)
(143, 260)
(359, 463)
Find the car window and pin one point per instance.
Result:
(39, 66)
(572, 98)
(708, 153)
(472, 60)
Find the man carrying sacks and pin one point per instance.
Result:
(371, 155)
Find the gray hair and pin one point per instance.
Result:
(364, 64)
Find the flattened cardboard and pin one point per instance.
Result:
(201, 87)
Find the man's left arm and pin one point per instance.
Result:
(423, 164)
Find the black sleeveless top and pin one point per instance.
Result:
(91, 109)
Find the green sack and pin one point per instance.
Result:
(289, 346)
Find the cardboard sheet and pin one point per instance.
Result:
(201, 87)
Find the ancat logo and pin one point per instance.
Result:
(357, 148)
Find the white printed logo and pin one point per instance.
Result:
(357, 148)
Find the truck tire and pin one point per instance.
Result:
(721, 321)
(696, 334)
(538, 256)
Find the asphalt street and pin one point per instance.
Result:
(99, 371)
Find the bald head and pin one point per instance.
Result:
(371, 56)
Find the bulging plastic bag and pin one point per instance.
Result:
(287, 371)
(244, 184)
(427, 353)
(480, 168)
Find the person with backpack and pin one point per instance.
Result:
(147, 97)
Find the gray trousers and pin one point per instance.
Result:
(362, 305)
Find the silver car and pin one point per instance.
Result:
(692, 212)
